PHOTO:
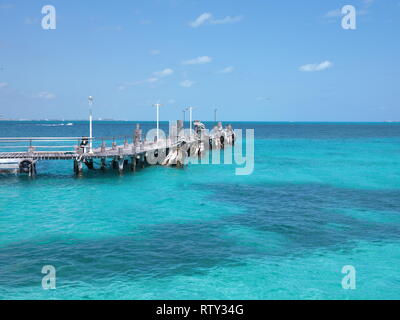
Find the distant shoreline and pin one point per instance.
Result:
(223, 121)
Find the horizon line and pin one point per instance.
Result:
(254, 121)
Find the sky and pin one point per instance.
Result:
(253, 60)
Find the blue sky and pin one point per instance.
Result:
(253, 60)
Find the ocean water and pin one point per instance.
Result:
(322, 196)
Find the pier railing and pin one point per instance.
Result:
(54, 144)
(30, 144)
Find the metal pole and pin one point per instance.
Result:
(191, 120)
(90, 100)
(158, 125)
(91, 132)
(157, 105)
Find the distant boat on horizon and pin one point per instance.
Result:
(56, 124)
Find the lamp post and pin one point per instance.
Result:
(157, 105)
(90, 102)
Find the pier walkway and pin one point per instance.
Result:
(21, 154)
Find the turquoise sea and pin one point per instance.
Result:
(322, 196)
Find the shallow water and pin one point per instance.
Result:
(322, 196)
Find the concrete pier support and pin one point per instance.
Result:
(121, 163)
(114, 163)
(133, 164)
(32, 169)
(78, 167)
(103, 164)
(90, 164)
(131, 155)
(142, 160)
(180, 158)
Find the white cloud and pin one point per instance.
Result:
(333, 13)
(164, 73)
(226, 70)
(187, 83)
(203, 18)
(44, 95)
(227, 20)
(154, 52)
(316, 66)
(3, 84)
(153, 79)
(207, 18)
(199, 60)
(367, 2)
(365, 5)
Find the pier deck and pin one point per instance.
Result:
(23, 153)
(120, 150)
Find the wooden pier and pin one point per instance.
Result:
(133, 152)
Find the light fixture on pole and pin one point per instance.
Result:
(90, 101)
(158, 105)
